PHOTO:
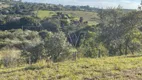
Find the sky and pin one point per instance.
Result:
(126, 4)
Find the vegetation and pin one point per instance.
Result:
(69, 42)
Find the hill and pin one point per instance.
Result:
(34, 49)
(113, 68)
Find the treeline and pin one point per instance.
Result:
(55, 23)
(25, 8)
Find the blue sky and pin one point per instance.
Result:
(128, 4)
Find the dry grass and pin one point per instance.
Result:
(10, 52)
(113, 68)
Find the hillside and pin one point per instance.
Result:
(41, 41)
(113, 68)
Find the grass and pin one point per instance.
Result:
(88, 16)
(44, 13)
(112, 68)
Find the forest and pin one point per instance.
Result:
(57, 42)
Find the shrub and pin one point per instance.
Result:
(51, 25)
(10, 58)
(57, 47)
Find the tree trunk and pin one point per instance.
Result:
(74, 56)
(30, 60)
(132, 51)
(120, 49)
(126, 48)
(99, 54)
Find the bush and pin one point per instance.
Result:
(57, 47)
(40, 64)
(52, 25)
(10, 58)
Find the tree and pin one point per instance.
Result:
(133, 41)
(2, 22)
(110, 28)
(132, 36)
(52, 25)
(57, 47)
(91, 47)
(30, 23)
(81, 20)
(117, 31)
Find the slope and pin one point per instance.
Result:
(112, 68)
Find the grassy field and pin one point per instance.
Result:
(112, 68)
(43, 14)
(88, 16)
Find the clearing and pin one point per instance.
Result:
(45, 14)
(91, 17)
